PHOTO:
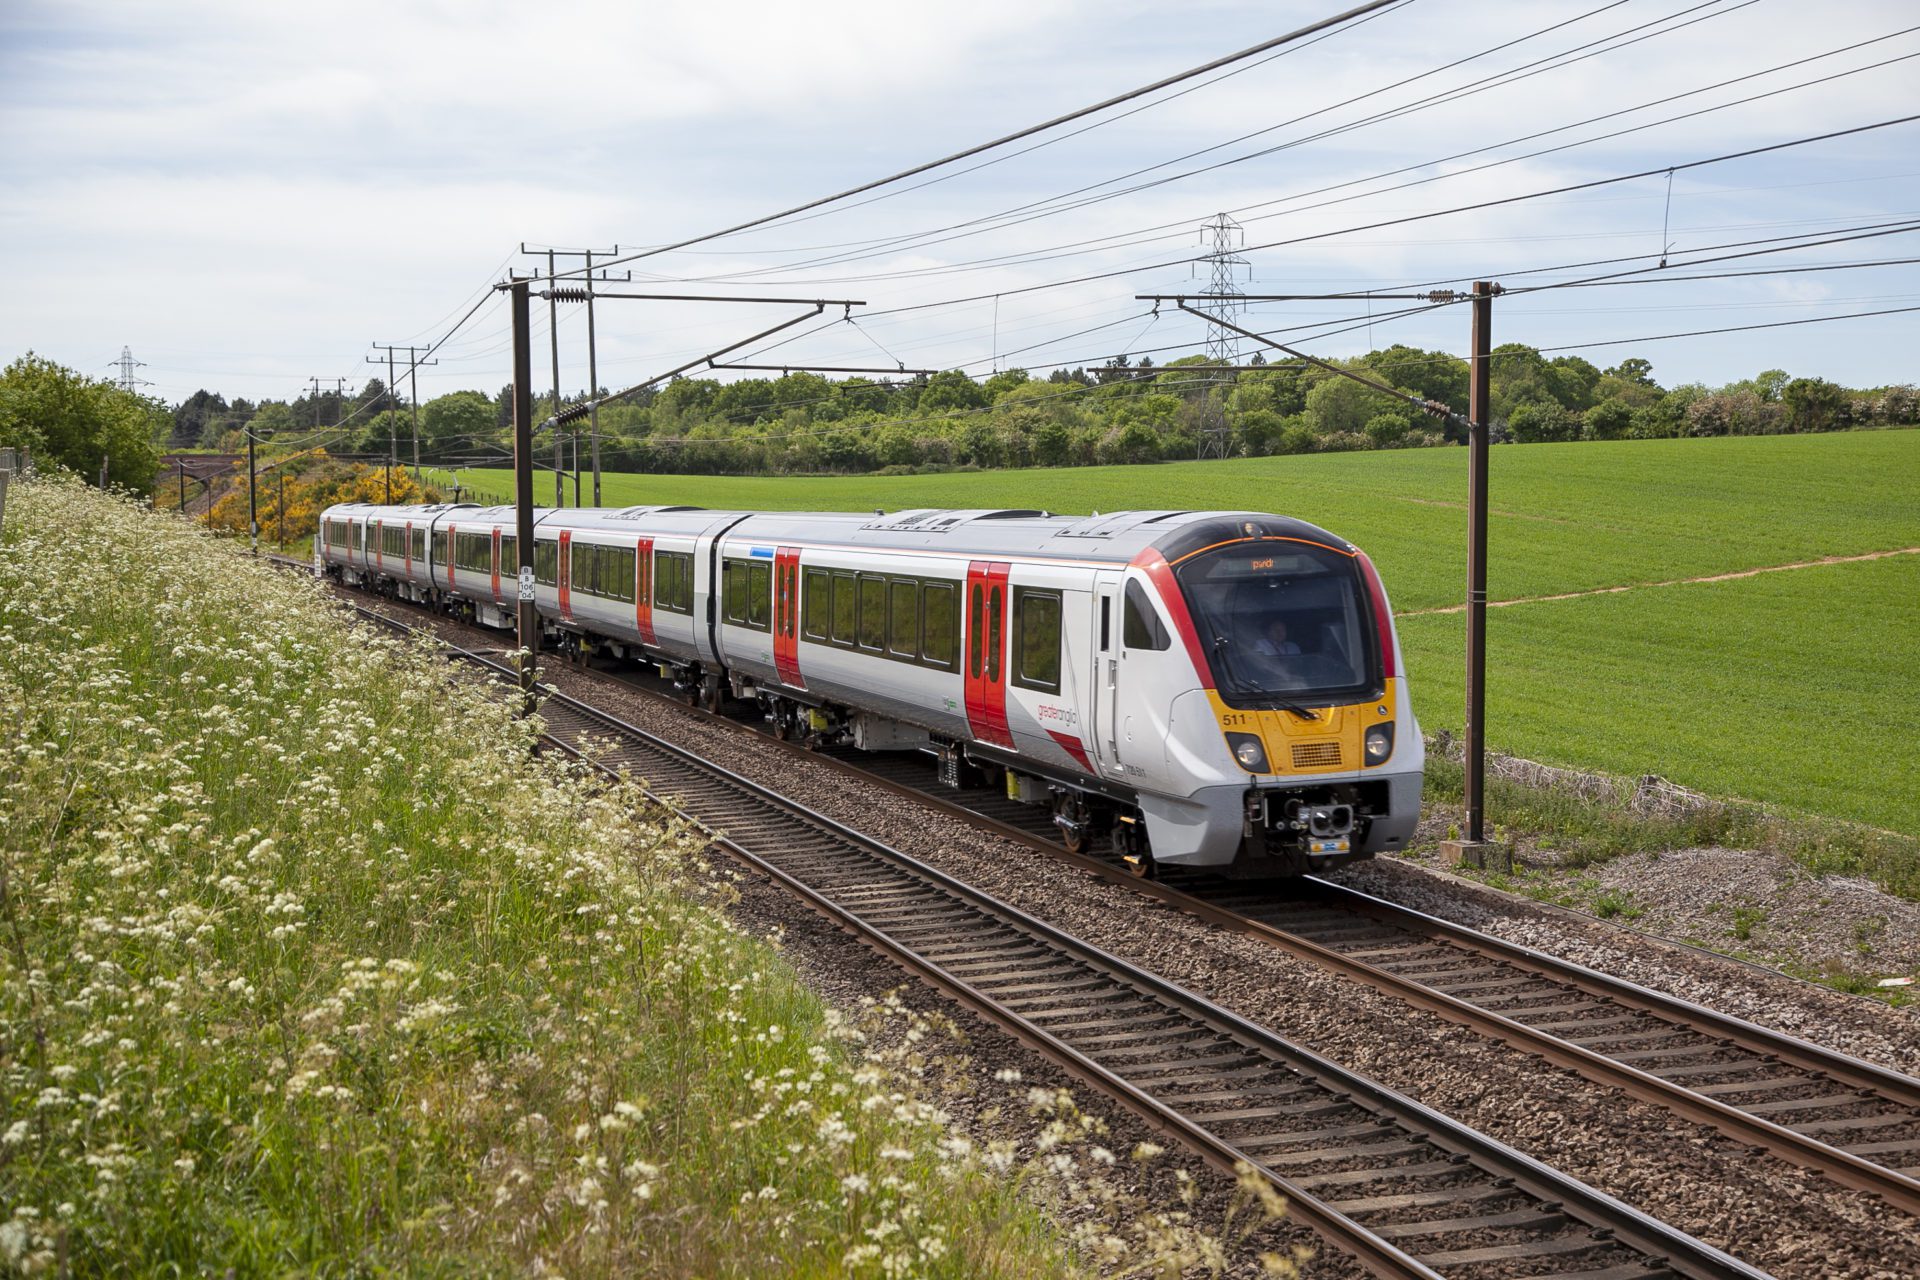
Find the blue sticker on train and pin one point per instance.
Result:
(765, 553)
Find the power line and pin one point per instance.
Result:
(1148, 235)
(1432, 213)
(1017, 135)
(918, 186)
(1736, 328)
(1055, 204)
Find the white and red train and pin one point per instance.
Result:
(1212, 689)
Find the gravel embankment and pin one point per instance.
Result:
(1771, 1214)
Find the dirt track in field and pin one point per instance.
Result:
(1671, 582)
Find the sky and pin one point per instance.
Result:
(248, 196)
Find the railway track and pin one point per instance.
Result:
(1398, 1186)
(1853, 1121)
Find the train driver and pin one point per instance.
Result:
(1274, 644)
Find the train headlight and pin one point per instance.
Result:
(1249, 751)
(1379, 742)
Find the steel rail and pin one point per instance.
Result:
(1632, 1227)
(1609, 1222)
(1897, 1188)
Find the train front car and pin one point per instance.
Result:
(1299, 750)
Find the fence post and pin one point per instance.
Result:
(6, 474)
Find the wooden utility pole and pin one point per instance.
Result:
(1479, 427)
(253, 506)
(413, 387)
(553, 334)
(586, 295)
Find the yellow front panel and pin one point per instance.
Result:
(1331, 742)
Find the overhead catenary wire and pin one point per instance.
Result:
(1427, 215)
(1074, 133)
(1065, 202)
(1083, 112)
(1152, 235)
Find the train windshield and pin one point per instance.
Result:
(1283, 623)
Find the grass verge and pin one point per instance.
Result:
(1561, 837)
(307, 964)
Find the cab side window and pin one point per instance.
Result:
(1142, 628)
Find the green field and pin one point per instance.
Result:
(1783, 687)
(1790, 687)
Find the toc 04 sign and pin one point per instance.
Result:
(526, 582)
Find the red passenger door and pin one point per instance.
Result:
(496, 563)
(450, 543)
(786, 616)
(379, 552)
(407, 551)
(986, 666)
(564, 575)
(643, 590)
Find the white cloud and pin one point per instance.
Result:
(289, 182)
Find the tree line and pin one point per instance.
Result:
(1127, 412)
(1123, 411)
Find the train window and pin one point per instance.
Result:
(846, 609)
(583, 569)
(439, 547)
(473, 552)
(1142, 628)
(419, 544)
(616, 573)
(937, 648)
(873, 612)
(976, 624)
(733, 591)
(510, 557)
(996, 631)
(817, 604)
(747, 593)
(1036, 639)
(903, 618)
(673, 581)
(1106, 623)
(760, 595)
(546, 562)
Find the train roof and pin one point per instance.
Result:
(1114, 536)
(408, 509)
